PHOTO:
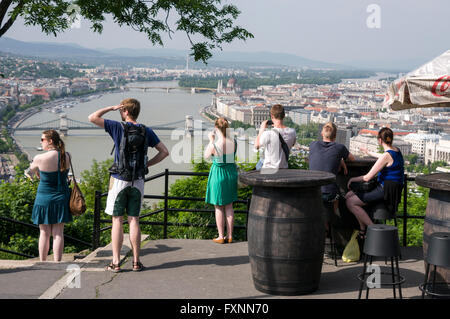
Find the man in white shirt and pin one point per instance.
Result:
(274, 157)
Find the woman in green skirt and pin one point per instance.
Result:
(221, 190)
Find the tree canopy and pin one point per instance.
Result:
(209, 19)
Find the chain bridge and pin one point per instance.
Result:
(64, 124)
(167, 89)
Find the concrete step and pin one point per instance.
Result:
(95, 261)
(45, 280)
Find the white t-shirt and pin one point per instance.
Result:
(273, 153)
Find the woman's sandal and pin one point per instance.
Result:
(361, 235)
(137, 266)
(113, 267)
(361, 238)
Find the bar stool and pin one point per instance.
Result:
(381, 213)
(382, 241)
(438, 255)
(329, 211)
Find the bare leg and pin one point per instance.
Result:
(44, 241)
(354, 204)
(220, 220)
(135, 237)
(117, 237)
(58, 241)
(229, 212)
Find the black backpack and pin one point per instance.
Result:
(133, 148)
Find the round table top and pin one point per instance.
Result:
(287, 178)
(439, 181)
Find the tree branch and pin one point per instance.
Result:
(6, 26)
(3, 9)
(169, 31)
(4, 5)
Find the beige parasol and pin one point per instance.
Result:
(428, 86)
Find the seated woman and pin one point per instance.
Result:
(389, 167)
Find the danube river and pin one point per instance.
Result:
(158, 107)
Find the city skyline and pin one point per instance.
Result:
(374, 34)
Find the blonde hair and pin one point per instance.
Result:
(277, 111)
(133, 107)
(222, 124)
(329, 130)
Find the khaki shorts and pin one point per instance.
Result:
(124, 197)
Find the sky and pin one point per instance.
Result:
(372, 33)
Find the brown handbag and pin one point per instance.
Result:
(77, 204)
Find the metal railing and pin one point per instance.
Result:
(405, 215)
(98, 195)
(97, 221)
(165, 210)
(17, 222)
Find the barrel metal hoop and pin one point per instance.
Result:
(286, 220)
(284, 260)
(437, 222)
(439, 195)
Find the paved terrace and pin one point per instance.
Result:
(185, 269)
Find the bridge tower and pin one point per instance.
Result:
(63, 129)
(189, 126)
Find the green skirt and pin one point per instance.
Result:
(222, 184)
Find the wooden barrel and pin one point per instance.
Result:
(437, 217)
(286, 237)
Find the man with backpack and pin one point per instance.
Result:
(126, 187)
(277, 142)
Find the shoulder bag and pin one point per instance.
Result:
(77, 204)
(284, 146)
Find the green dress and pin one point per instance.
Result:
(222, 180)
(51, 205)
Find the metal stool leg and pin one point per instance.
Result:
(434, 278)
(333, 244)
(427, 273)
(393, 276)
(364, 277)
(398, 274)
(367, 290)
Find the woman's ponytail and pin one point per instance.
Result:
(58, 143)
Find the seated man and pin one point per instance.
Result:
(329, 156)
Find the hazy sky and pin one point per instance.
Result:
(410, 31)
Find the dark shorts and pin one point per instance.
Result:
(330, 197)
(375, 195)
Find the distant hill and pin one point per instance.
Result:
(44, 49)
(157, 56)
(264, 58)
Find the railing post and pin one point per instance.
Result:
(405, 209)
(96, 224)
(166, 194)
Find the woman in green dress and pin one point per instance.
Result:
(51, 206)
(221, 190)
